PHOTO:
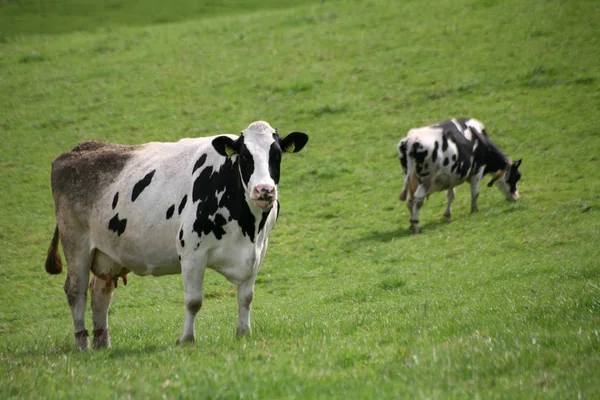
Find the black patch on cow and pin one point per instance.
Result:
(444, 143)
(462, 122)
(182, 204)
(246, 162)
(179, 257)
(115, 200)
(402, 152)
(418, 156)
(278, 208)
(227, 180)
(219, 223)
(181, 241)
(453, 157)
(170, 211)
(139, 187)
(263, 220)
(199, 163)
(117, 225)
(275, 159)
(446, 161)
(434, 154)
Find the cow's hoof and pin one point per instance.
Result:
(185, 339)
(415, 230)
(241, 332)
(447, 215)
(82, 340)
(101, 339)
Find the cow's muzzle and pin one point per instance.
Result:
(514, 196)
(263, 196)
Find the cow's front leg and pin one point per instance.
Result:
(475, 181)
(102, 294)
(193, 276)
(245, 294)
(450, 196)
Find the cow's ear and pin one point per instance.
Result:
(294, 142)
(518, 163)
(225, 146)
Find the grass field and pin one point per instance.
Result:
(504, 303)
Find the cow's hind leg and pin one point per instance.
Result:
(245, 295)
(193, 276)
(102, 293)
(450, 195)
(415, 206)
(79, 259)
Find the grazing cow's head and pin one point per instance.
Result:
(258, 151)
(506, 180)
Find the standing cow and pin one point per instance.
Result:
(166, 208)
(444, 155)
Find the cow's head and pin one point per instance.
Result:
(506, 180)
(258, 153)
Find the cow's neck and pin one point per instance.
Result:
(494, 160)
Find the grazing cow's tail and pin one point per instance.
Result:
(53, 261)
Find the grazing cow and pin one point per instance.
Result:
(166, 208)
(444, 155)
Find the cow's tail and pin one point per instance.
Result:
(53, 260)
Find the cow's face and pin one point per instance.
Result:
(507, 182)
(257, 154)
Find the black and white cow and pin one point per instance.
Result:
(166, 208)
(444, 155)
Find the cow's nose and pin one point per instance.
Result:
(266, 192)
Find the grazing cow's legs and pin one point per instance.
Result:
(245, 294)
(474, 181)
(404, 190)
(417, 203)
(79, 259)
(451, 195)
(102, 294)
(193, 276)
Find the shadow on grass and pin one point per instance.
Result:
(61, 349)
(402, 232)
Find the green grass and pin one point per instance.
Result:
(501, 304)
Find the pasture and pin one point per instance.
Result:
(504, 303)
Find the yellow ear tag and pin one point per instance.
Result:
(229, 150)
(500, 174)
(290, 148)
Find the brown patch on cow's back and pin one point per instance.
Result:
(80, 175)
